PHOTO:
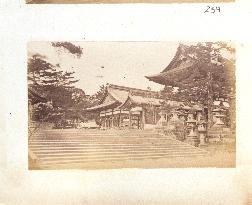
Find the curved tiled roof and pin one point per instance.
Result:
(118, 95)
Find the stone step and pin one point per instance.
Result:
(218, 135)
(90, 144)
(101, 139)
(216, 130)
(115, 158)
(98, 142)
(72, 148)
(77, 135)
(79, 148)
(104, 154)
(110, 149)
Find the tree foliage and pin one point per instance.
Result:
(43, 73)
(70, 47)
(99, 95)
(56, 85)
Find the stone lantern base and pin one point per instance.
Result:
(193, 139)
(202, 138)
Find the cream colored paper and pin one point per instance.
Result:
(21, 23)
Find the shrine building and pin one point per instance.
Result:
(125, 107)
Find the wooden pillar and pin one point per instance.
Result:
(105, 124)
(155, 116)
(102, 122)
(112, 118)
(129, 119)
(143, 117)
(138, 122)
(119, 119)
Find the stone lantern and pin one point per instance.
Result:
(199, 112)
(219, 120)
(191, 122)
(192, 138)
(175, 115)
(162, 121)
(182, 116)
(186, 108)
(217, 113)
(202, 132)
(176, 125)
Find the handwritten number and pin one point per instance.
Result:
(218, 8)
(212, 9)
(208, 7)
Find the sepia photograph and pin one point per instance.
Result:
(114, 105)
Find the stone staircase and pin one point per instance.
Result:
(220, 134)
(67, 148)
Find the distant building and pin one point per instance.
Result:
(128, 107)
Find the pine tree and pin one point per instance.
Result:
(53, 83)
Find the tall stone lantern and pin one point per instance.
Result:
(202, 130)
(162, 122)
(198, 111)
(218, 116)
(182, 116)
(219, 120)
(177, 125)
(192, 137)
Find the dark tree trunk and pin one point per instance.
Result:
(210, 100)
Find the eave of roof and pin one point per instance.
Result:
(140, 100)
(173, 77)
(103, 106)
(175, 67)
(146, 100)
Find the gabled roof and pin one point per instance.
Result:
(118, 95)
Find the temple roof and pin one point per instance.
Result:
(179, 62)
(185, 70)
(106, 105)
(140, 100)
(122, 92)
(118, 95)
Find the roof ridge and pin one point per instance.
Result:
(181, 48)
(129, 88)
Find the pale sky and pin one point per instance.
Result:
(120, 63)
